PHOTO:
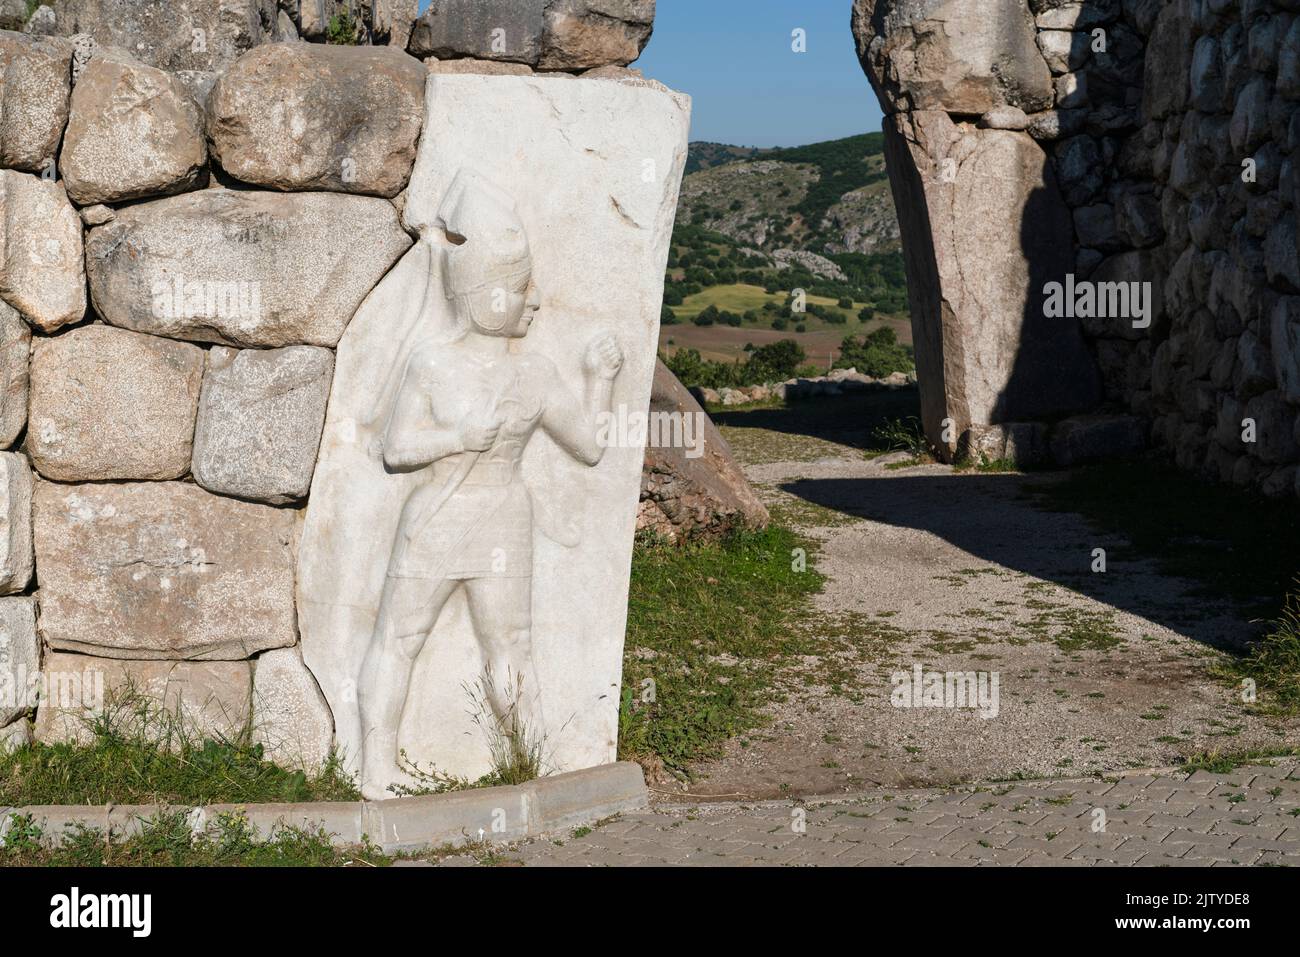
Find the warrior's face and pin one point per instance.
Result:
(503, 311)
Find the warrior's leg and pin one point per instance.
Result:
(501, 609)
(407, 612)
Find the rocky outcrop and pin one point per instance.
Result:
(692, 489)
(162, 570)
(107, 403)
(282, 270)
(344, 119)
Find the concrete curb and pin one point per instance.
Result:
(495, 815)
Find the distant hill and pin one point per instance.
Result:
(824, 198)
(755, 226)
(702, 155)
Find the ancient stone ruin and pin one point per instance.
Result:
(1098, 209)
(275, 411)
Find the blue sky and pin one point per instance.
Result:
(749, 88)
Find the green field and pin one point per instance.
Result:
(722, 342)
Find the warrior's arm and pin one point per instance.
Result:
(408, 443)
(574, 424)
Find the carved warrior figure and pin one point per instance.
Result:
(461, 414)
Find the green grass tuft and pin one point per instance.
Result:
(708, 628)
(137, 754)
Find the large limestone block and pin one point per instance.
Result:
(15, 522)
(314, 117)
(108, 403)
(35, 83)
(206, 35)
(492, 30)
(42, 273)
(984, 231)
(691, 486)
(162, 570)
(260, 420)
(961, 56)
(20, 656)
(548, 34)
(200, 700)
(570, 184)
(15, 349)
(582, 34)
(241, 267)
(291, 720)
(134, 131)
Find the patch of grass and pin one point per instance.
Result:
(138, 754)
(709, 627)
(902, 435)
(1224, 762)
(1273, 663)
(167, 840)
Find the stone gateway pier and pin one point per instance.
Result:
(307, 438)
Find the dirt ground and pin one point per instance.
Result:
(960, 571)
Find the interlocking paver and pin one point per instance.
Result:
(1159, 819)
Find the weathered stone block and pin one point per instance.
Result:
(965, 58)
(282, 269)
(344, 118)
(15, 736)
(42, 272)
(200, 699)
(290, 717)
(15, 350)
(692, 488)
(134, 131)
(35, 83)
(260, 419)
(484, 29)
(108, 403)
(172, 36)
(162, 570)
(1275, 441)
(20, 656)
(548, 34)
(15, 522)
(581, 34)
(986, 349)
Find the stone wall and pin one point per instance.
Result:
(188, 230)
(1111, 141)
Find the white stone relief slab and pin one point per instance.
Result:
(563, 193)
